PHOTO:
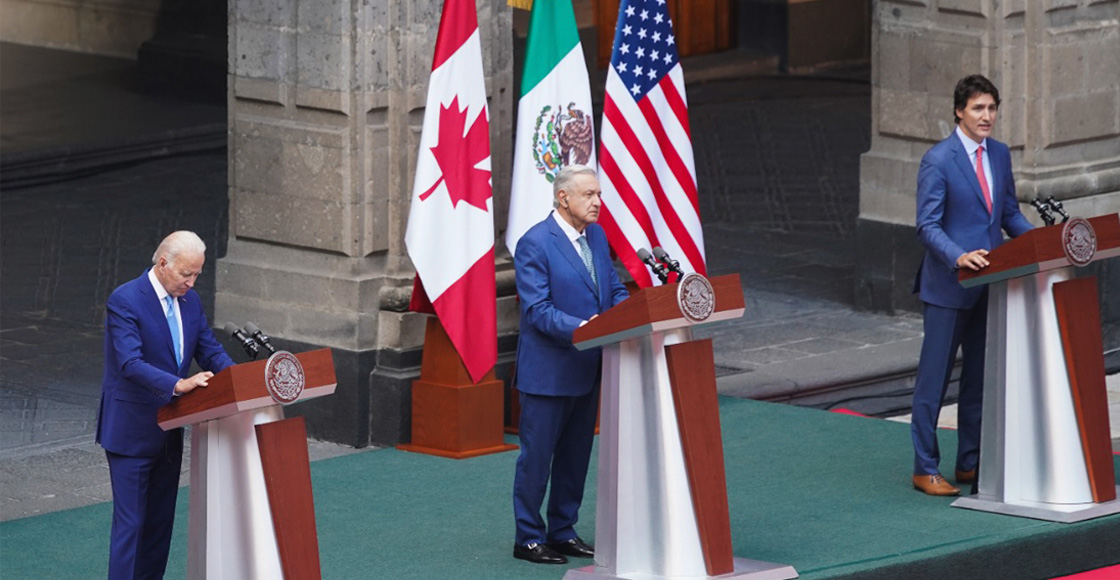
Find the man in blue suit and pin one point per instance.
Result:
(564, 279)
(966, 196)
(154, 328)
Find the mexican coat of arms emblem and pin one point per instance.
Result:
(562, 136)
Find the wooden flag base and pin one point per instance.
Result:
(453, 416)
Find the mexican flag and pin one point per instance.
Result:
(554, 126)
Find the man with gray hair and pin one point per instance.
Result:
(564, 279)
(154, 328)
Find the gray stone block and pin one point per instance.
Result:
(275, 13)
(1066, 67)
(323, 61)
(289, 219)
(260, 52)
(268, 91)
(1084, 117)
(324, 17)
(968, 7)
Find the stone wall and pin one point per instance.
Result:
(108, 27)
(326, 101)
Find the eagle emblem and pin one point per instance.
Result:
(284, 377)
(695, 297)
(562, 136)
(1079, 241)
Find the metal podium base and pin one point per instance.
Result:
(1061, 513)
(744, 570)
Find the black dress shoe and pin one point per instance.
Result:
(538, 553)
(574, 547)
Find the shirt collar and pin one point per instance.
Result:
(970, 146)
(566, 227)
(161, 292)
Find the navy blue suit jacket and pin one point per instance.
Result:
(140, 367)
(557, 294)
(953, 218)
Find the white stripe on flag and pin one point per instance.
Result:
(675, 205)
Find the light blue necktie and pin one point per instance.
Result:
(173, 324)
(585, 253)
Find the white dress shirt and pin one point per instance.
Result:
(971, 147)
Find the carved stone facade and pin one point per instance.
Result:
(1057, 66)
(326, 102)
(108, 27)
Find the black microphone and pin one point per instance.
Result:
(247, 343)
(259, 336)
(1057, 206)
(654, 265)
(665, 259)
(1043, 210)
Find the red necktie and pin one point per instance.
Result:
(983, 180)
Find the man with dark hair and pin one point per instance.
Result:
(154, 328)
(966, 196)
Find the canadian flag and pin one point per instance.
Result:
(450, 233)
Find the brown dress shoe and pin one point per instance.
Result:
(934, 485)
(966, 476)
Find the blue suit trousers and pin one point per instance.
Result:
(144, 493)
(556, 433)
(946, 330)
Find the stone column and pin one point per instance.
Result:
(1057, 66)
(326, 101)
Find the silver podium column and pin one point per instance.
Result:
(646, 525)
(1031, 458)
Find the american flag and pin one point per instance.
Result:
(645, 164)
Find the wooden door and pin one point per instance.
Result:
(701, 26)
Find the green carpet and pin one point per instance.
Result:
(829, 494)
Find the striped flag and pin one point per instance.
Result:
(450, 234)
(645, 163)
(554, 119)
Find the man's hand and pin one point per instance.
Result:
(190, 383)
(973, 260)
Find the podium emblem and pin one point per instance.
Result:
(695, 297)
(284, 377)
(1079, 241)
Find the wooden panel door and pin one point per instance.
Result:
(701, 26)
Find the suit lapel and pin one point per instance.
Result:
(969, 171)
(155, 309)
(190, 331)
(996, 163)
(569, 252)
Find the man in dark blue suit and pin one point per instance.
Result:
(966, 196)
(154, 328)
(564, 279)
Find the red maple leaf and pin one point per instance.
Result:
(457, 156)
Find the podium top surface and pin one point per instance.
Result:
(1040, 250)
(655, 309)
(242, 388)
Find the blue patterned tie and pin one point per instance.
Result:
(585, 253)
(173, 324)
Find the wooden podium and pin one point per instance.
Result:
(662, 495)
(251, 510)
(1045, 448)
